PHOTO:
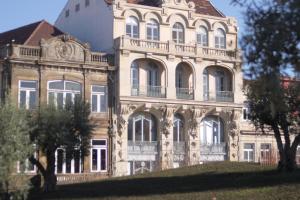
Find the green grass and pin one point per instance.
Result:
(223, 180)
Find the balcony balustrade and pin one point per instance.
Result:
(138, 147)
(208, 149)
(148, 91)
(179, 148)
(170, 48)
(219, 96)
(185, 93)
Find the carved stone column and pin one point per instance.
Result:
(193, 135)
(166, 137)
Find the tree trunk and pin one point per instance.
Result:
(281, 162)
(50, 180)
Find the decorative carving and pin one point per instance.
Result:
(167, 120)
(194, 121)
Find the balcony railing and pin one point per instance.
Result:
(148, 91)
(179, 148)
(138, 147)
(185, 93)
(219, 96)
(213, 148)
(170, 48)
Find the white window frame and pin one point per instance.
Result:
(220, 35)
(248, 152)
(26, 166)
(142, 118)
(177, 123)
(177, 30)
(99, 94)
(153, 26)
(132, 22)
(27, 90)
(64, 167)
(64, 91)
(98, 148)
(202, 34)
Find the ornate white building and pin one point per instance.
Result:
(178, 86)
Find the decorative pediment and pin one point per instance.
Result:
(64, 48)
(178, 3)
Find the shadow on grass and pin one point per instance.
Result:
(146, 186)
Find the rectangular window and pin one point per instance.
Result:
(246, 112)
(28, 94)
(99, 99)
(26, 166)
(87, 3)
(66, 163)
(249, 149)
(77, 7)
(99, 156)
(67, 13)
(265, 152)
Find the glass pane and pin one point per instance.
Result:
(51, 98)
(68, 163)
(175, 138)
(135, 31)
(128, 30)
(60, 100)
(69, 98)
(58, 85)
(103, 105)
(29, 84)
(22, 102)
(101, 89)
(60, 161)
(130, 130)
(32, 100)
(138, 130)
(146, 130)
(149, 33)
(245, 155)
(73, 86)
(181, 134)
(95, 160)
(103, 159)
(94, 103)
(77, 161)
(153, 129)
(99, 142)
(251, 156)
(30, 166)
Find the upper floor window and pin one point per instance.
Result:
(77, 7)
(87, 3)
(178, 33)
(132, 27)
(61, 92)
(220, 39)
(152, 30)
(134, 74)
(205, 84)
(28, 94)
(202, 36)
(67, 13)
(246, 111)
(99, 99)
(179, 77)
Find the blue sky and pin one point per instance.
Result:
(15, 13)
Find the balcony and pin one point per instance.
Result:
(148, 91)
(185, 93)
(212, 149)
(170, 48)
(219, 96)
(138, 147)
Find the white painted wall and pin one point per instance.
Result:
(92, 24)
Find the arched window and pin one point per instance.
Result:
(202, 36)
(152, 30)
(212, 130)
(132, 27)
(142, 128)
(220, 39)
(178, 129)
(178, 33)
(61, 92)
(205, 85)
(179, 76)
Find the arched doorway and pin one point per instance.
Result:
(142, 143)
(212, 139)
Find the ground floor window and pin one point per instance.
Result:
(265, 152)
(249, 152)
(66, 163)
(26, 166)
(99, 156)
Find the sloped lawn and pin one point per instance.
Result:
(221, 180)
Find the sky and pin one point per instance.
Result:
(16, 13)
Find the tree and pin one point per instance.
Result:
(69, 128)
(271, 47)
(15, 146)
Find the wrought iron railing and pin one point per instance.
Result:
(138, 147)
(148, 91)
(220, 96)
(213, 148)
(185, 93)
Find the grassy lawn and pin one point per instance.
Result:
(223, 180)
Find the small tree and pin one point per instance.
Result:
(67, 128)
(15, 146)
